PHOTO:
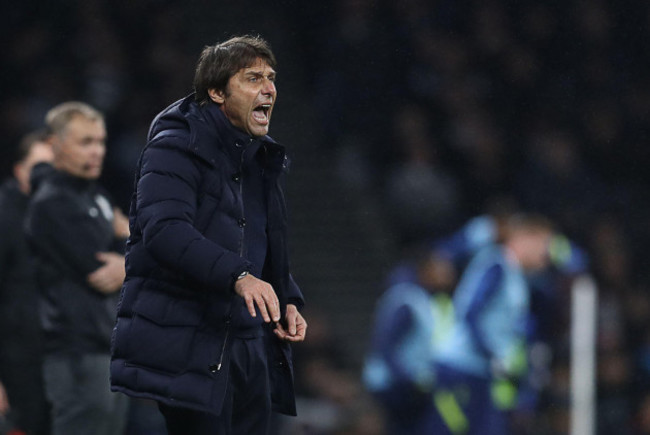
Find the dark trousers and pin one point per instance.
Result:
(247, 405)
(82, 402)
(408, 410)
(30, 411)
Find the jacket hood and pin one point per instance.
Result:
(171, 118)
(206, 126)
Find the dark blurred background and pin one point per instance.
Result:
(403, 119)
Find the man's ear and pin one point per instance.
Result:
(217, 96)
(18, 171)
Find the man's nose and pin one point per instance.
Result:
(269, 88)
(99, 149)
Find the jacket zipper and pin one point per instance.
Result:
(241, 198)
(223, 346)
(241, 247)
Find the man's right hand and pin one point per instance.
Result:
(260, 293)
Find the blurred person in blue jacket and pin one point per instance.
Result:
(410, 317)
(480, 361)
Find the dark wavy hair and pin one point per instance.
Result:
(219, 62)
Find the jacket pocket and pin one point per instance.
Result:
(163, 328)
(169, 310)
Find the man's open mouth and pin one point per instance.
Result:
(261, 113)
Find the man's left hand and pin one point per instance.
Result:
(296, 326)
(108, 278)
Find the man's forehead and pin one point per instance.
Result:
(85, 120)
(82, 125)
(259, 65)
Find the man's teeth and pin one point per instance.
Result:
(261, 113)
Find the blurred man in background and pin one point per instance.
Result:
(21, 344)
(71, 226)
(410, 318)
(480, 361)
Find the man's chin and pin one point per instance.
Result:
(92, 174)
(259, 131)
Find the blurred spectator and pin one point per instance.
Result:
(615, 411)
(642, 417)
(4, 408)
(21, 343)
(421, 196)
(556, 181)
(410, 318)
(70, 225)
(354, 37)
(557, 414)
(477, 138)
(330, 398)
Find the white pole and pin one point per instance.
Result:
(584, 308)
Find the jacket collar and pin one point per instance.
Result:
(212, 135)
(62, 178)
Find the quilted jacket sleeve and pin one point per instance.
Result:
(167, 187)
(294, 295)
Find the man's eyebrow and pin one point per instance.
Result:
(259, 73)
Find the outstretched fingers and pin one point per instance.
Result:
(261, 294)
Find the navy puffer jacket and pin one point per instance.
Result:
(171, 342)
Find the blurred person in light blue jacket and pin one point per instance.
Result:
(567, 260)
(479, 363)
(410, 318)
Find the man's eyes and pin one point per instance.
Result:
(254, 79)
(88, 142)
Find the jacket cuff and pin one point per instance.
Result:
(299, 303)
(244, 267)
(294, 295)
